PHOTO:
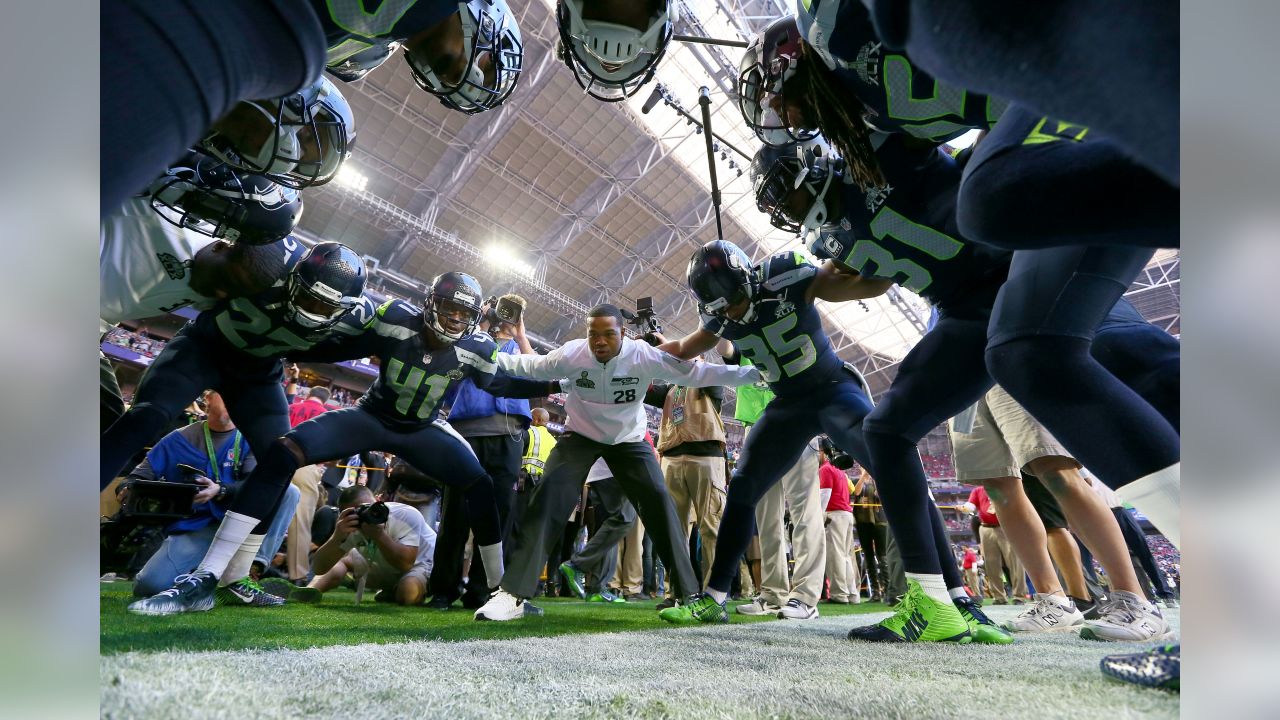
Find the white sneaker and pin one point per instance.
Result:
(1128, 618)
(1046, 615)
(796, 610)
(502, 606)
(758, 606)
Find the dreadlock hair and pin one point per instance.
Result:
(839, 117)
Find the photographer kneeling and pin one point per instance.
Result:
(388, 543)
(211, 455)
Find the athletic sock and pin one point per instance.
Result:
(1159, 497)
(718, 595)
(240, 563)
(491, 556)
(231, 534)
(932, 585)
(1057, 598)
(958, 593)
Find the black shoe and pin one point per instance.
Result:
(193, 592)
(440, 602)
(531, 610)
(637, 597)
(666, 603)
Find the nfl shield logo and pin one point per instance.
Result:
(426, 359)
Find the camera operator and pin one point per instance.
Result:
(216, 447)
(395, 553)
(495, 429)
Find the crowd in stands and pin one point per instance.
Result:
(138, 342)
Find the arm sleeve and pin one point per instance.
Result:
(519, 388)
(339, 347)
(668, 367)
(551, 366)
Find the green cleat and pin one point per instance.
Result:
(604, 596)
(696, 608)
(247, 591)
(918, 618)
(573, 577)
(980, 626)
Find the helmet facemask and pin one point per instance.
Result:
(436, 305)
(224, 204)
(611, 61)
(315, 306)
(490, 34)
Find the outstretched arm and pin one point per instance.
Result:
(840, 284)
(701, 374)
(551, 366)
(691, 345)
(518, 388)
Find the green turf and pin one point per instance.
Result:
(339, 621)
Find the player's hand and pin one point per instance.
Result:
(348, 522)
(208, 490)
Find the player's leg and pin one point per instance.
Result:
(1036, 182)
(636, 468)
(178, 375)
(550, 503)
(247, 590)
(593, 560)
(1113, 65)
(1039, 351)
(1142, 356)
(182, 67)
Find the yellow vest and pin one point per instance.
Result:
(688, 416)
(537, 449)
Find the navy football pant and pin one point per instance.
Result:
(170, 69)
(772, 448)
(1040, 338)
(1142, 356)
(1109, 65)
(1030, 186)
(435, 449)
(186, 367)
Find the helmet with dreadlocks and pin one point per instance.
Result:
(771, 60)
(778, 172)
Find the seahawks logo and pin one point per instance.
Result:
(173, 267)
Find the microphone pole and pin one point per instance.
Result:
(704, 99)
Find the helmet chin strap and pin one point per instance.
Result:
(817, 216)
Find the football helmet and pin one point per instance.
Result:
(721, 275)
(326, 283)
(205, 195)
(298, 140)
(460, 290)
(491, 40)
(609, 60)
(770, 61)
(356, 66)
(778, 171)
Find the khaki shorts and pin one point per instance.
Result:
(1003, 440)
(384, 577)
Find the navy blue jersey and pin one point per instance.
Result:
(350, 28)
(784, 339)
(906, 231)
(258, 326)
(899, 96)
(413, 381)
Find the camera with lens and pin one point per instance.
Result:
(838, 457)
(505, 309)
(373, 513)
(645, 320)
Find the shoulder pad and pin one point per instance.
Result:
(784, 269)
(397, 311)
(358, 318)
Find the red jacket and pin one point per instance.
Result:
(830, 477)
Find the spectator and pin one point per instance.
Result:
(310, 488)
(842, 571)
(537, 448)
(394, 557)
(216, 447)
(591, 567)
(970, 566)
(873, 532)
(409, 485)
(997, 554)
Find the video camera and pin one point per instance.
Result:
(645, 320)
(502, 310)
(160, 502)
(838, 457)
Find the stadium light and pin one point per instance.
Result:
(503, 258)
(350, 177)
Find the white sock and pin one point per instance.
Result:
(491, 556)
(718, 595)
(933, 585)
(958, 593)
(1058, 598)
(238, 568)
(1159, 497)
(232, 533)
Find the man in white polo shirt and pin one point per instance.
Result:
(608, 374)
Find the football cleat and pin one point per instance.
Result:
(981, 627)
(696, 608)
(193, 592)
(797, 610)
(1157, 668)
(248, 591)
(1046, 615)
(917, 618)
(1128, 618)
(504, 606)
(604, 596)
(758, 606)
(573, 578)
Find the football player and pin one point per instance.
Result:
(1046, 315)
(768, 313)
(424, 354)
(613, 47)
(906, 231)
